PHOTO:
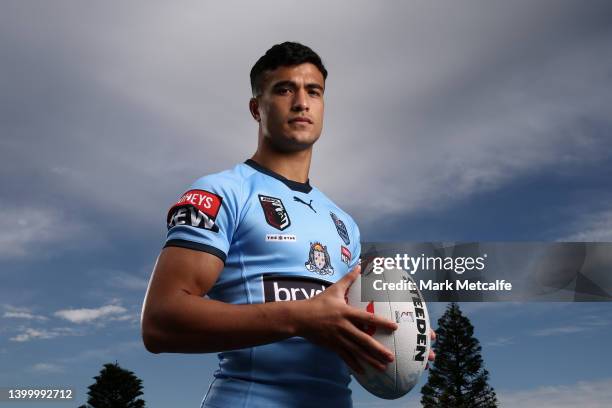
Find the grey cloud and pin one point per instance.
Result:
(591, 227)
(27, 231)
(496, 114)
(110, 111)
(593, 394)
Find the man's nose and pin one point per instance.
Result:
(300, 100)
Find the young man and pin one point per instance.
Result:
(273, 254)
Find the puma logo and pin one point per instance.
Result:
(299, 200)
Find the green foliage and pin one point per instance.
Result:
(115, 387)
(457, 378)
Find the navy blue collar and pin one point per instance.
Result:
(293, 185)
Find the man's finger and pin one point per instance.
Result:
(361, 354)
(369, 345)
(351, 361)
(432, 335)
(349, 278)
(370, 319)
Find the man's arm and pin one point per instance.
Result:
(176, 318)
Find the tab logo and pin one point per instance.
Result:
(278, 288)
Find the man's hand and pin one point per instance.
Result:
(327, 320)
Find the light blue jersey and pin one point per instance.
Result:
(280, 240)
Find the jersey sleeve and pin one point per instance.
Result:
(205, 217)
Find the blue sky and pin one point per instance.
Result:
(472, 121)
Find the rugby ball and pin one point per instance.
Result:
(410, 343)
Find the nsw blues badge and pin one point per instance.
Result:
(318, 260)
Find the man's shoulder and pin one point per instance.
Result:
(226, 180)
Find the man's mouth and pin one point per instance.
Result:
(300, 119)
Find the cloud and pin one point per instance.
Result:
(47, 368)
(589, 322)
(29, 333)
(26, 231)
(107, 353)
(13, 312)
(502, 111)
(591, 227)
(500, 342)
(99, 316)
(420, 124)
(559, 330)
(89, 315)
(592, 394)
(127, 281)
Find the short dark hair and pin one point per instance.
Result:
(285, 54)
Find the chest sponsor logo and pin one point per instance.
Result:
(341, 228)
(345, 254)
(318, 260)
(197, 208)
(284, 288)
(281, 238)
(275, 212)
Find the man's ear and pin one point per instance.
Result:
(254, 108)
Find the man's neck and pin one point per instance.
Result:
(293, 166)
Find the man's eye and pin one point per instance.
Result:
(314, 93)
(283, 91)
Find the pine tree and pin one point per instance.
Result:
(457, 378)
(115, 387)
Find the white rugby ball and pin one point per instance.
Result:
(410, 343)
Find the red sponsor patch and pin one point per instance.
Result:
(205, 201)
(196, 208)
(345, 254)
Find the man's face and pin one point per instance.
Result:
(290, 106)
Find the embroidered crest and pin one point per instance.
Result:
(275, 212)
(318, 260)
(341, 228)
